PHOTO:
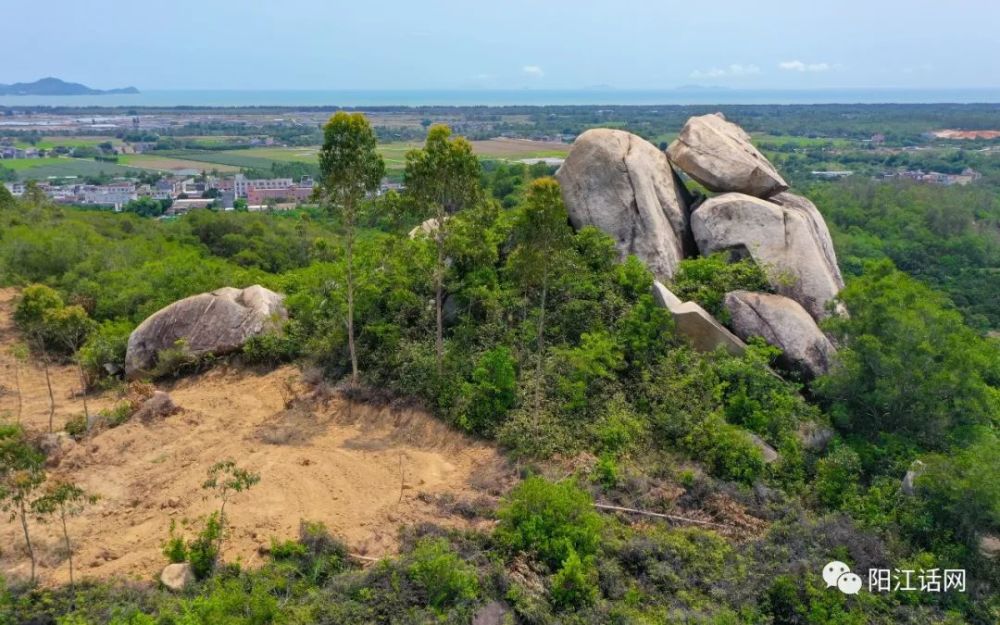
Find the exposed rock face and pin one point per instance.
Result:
(493, 613)
(782, 240)
(177, 577)
(817, 225)
(783, 323)
(916, 470)
(55, 446)
(989, 546)
(694, 323)
(719, 155)
(210, 323)
(622, 184)
(814, 437)
(769, 453)
(427, 228)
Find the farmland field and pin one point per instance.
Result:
(44, 168)
(156, 162)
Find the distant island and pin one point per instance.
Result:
(54, 86)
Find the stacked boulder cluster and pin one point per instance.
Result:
(625, 186)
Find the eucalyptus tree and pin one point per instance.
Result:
(443, 178)
(351, 169)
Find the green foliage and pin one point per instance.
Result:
(36, 300)
(707, 279)
(348, 161)
(491, 393)
(271, 349)
(203, 551)
(550, 520)
(837, 476)
(575, 583)
(909, 364)
(175, 549)
(104, 351)
(963, 489)
(444, 175)
(118, 414)
(445, 578)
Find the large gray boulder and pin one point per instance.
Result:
(817, 225)
(783, 240)
(213, 323)
(719, 155)
(696, 325)
(624, 185)
(781, 322)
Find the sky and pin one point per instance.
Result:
(506, 44)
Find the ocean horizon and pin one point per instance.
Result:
(509, 97)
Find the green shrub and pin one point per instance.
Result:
(174, 548)
(103, 353)
(271, 349)
(837, 476)
(445, 577)
(575, 583)
(203, 551)
(550, 519)
(77, 427)
(491, 393)
(36, 300)
(727, 449)
(118, 414)
(707, 279)
(174, 360)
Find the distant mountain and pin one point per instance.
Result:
(54, 86)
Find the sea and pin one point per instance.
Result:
(519, 97)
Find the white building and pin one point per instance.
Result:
(241, 185)
(109, 196)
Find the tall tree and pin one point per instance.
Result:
(351, 168)
(543, 239)
(71, 326)
(443, 178)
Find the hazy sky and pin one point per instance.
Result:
(554, 44)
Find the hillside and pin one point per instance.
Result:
(364, 471)
(55, 86)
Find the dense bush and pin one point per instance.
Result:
(552, 520)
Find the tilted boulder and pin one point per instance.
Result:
(782, 239)
(769, 453)
(624, 185)
(213, 323)
(718, 154)
(696, 325)
(781, 322)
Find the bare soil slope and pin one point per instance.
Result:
(363, 471)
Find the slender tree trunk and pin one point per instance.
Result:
(439, 297)
(83, 391)
(27, 538)
(350, 297)
(17, 383)
(48, 384)
(541, 340)
(69, 550)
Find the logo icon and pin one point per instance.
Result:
(838, 574)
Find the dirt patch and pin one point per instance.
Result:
(363, 471)
(966, 134)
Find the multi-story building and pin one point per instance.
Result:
(241, 184)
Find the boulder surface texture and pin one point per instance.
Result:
(213, 323)
(783, 240)
(718, 154)
(623, 185)
(781, 322)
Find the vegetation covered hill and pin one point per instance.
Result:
(514, 327)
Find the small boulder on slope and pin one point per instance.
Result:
(623, 185)
(213, 323)
(718, 154)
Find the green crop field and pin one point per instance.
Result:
(45, 168)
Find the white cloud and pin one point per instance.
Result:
(732, 70)
(799, 66)
(533, 70)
